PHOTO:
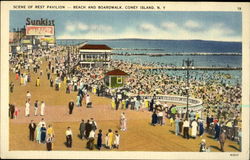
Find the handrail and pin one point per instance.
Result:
(194, 104)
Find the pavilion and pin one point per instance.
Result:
(95, 55)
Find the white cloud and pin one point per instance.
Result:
(79, 26)
(101, 28)
(70, 27)
(82, 26)
(166, 30)
(169, 25)
(147, 27)
(192, 24)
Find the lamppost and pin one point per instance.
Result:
(67, 62)
(187, 64)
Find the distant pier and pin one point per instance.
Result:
(193, 68)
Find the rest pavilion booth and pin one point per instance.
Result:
(115, 78)
(95, 55)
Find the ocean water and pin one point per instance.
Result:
(141, 46)
(166, 46)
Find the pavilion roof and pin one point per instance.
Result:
(95, 47)
(116, 72)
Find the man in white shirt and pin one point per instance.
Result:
(69, 135)
(28, 96)
(160, 117)
(186, 129)
(90, 143)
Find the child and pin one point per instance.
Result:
(106, 140)
(203, 145)
(171, 121)
(117, 140)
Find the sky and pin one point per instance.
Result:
(174, 25)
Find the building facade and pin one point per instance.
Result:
(95, 55)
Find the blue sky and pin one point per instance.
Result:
(218, 26)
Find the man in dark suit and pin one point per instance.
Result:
(32, 128)
(82, 129)
(222, 139)
(11, 110)
(71, 106)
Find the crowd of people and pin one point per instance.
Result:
(88, 131)
(41, 133)
(220, 99)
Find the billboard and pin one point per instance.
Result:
(50, 40)
(26, 41)
(39, 30)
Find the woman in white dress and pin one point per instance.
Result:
(117, 140)
(42, 108)
(123, 123)
(194, 125)
(27, 109)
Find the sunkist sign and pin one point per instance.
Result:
(40, 27)
(40, 22)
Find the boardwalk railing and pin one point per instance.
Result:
(194, 68)
(194, 104)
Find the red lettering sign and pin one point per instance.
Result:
(40, 30)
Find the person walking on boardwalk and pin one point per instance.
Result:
(117, 140)
(38, 133)
(32, 128)
(201, 128)
(177, 120)
(117, 103)
(123, 122)
(36, 107)
(48, 75)
(113, 103)
(43, 133)
(28, 96)
(82, 129)
(106, 140)
(217, 131)
(78, 100)
(42, 122)
(222, 139)
(186, 129)
(71, 106)
(69, 136)
(27, 109)
(42, 108)
(88, 100)
(99, 140)
(91, 140)
(11, 87)
(180, 125)
(110, 139)
(194, 125)
(49, 142)
(93, 124)
(50, 131)
(11, 110)
(88, 128)
(37, 82)
(203, 145)
(51, 82)
(154, 119)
